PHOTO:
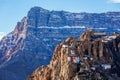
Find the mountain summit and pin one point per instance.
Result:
(62, 18)
(34, 38)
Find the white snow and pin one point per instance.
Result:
(1, 35)
(79, 16)
(57, 39)
(45, 39)
(55, 16)
(99, 28)
(118, 29)
(52, 27)
(65, 27)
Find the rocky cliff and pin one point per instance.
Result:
(34, 38)
(93, 56)
(41, 17)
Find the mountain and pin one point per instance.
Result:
(1, 35)
(34, 38)
(93, 56)
(62, 18)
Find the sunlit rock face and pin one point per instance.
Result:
(34, 38)
(93, 56)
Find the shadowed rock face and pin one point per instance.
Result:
(97, 59)
(41, 17)
(34, 38)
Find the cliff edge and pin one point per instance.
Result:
(95, 55)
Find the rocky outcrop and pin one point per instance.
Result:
(14, 41)
(88, 57)
(34, 38)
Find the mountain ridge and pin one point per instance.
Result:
(64, 18)
(34, 38)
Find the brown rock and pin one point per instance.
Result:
(91, 51)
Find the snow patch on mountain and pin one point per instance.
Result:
(52, 27)
(98, 28)
(118, 29)
(57, 39)
(65, 27)
(1, 35)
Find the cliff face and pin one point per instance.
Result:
(34, 38)
(92, 56)
(45, 17)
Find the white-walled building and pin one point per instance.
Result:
(106, 66)
(73, 59)
(72, 52)
(65, 46)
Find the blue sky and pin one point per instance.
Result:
(12, 11)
